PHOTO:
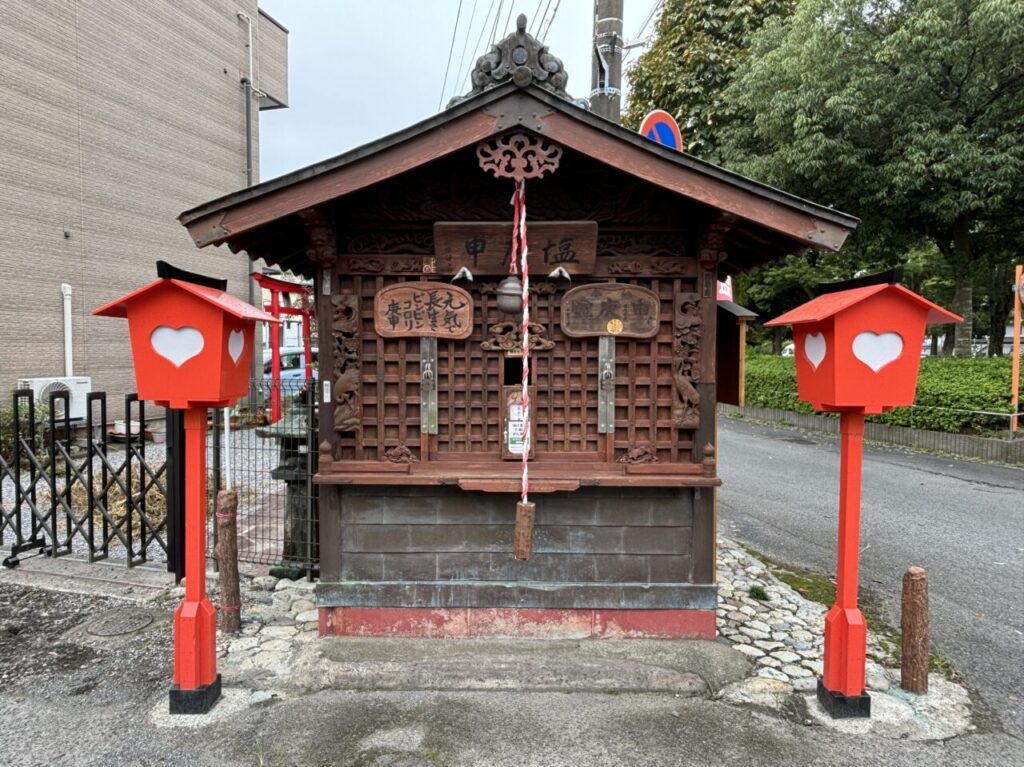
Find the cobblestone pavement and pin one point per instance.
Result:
(782, 636)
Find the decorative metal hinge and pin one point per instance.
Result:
(606, 386)
(428, 385)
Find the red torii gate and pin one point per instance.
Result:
(277, 288)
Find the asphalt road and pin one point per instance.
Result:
(962, 521)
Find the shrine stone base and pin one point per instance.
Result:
(425, 622)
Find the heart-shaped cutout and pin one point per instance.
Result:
(178, 345)
(236, 344)
(876, 350)
(814, 348)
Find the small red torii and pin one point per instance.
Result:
(277, 288)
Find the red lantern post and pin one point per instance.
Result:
(857, 351)
(191, 345)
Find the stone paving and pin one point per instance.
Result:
(781, 636)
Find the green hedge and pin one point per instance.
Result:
(945, 385)
(42, 414)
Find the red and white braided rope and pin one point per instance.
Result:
(521, 248)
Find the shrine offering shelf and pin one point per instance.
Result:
(505, 478)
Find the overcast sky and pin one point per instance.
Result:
(361, 69)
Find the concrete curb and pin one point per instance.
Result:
(961, 445)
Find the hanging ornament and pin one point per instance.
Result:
(520, 156)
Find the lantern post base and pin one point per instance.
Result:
(841, 706)
(198, 701)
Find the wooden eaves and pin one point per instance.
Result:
(770, 223)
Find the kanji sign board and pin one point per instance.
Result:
(485, 248)
(423, 309)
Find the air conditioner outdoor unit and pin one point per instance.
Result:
(76, 386)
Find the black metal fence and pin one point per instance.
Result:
(99, 488)
(99, 495)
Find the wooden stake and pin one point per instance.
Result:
(523, 540)
(914, 625)
(227, 558)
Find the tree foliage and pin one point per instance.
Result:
(698, 47)
(909, 113)
(906, 113)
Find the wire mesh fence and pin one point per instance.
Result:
(271, 467)
(98, 486)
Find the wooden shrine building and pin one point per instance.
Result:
(408, 240)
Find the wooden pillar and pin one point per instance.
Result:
(711, 250)
(330, 533)
(741, 392)
(227, 556)
(914, 628)
(322, 252)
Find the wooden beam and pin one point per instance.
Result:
(246, 215)
(806, 228)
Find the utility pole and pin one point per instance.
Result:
(606, 72)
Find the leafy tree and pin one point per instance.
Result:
(698, 47)
(908, 112)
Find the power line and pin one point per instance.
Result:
(497, 18)
(465, 43)
(483, 29)
(451, 50)
(533, 19)
(544, 34)
(509, 16)
(540, 22)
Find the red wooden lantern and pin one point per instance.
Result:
(857, 351)
(860, 349)
(191, 344)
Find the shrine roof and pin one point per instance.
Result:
(829, 304)
(493, 112)
(224, 301)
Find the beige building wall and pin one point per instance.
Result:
(116, 116)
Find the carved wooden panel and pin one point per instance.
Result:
(686, 360)
(485, 248)
(645, 394)
(653, 379)
(610, 309)
(519, 156)
(345, 327)
(423, 309)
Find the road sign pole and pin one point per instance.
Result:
(841, 689)
(196, 682)
(1018, 301)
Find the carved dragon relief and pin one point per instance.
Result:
(506, 337)
(686, 360)
(389, 243)
(422, 197)
(639, 454)
(536, 288)
(400, 454)
(346, 374)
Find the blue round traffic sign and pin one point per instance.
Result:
(661, 127)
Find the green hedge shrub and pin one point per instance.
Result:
(7, 427)
(945, 385)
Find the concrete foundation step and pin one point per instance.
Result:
(682, 667)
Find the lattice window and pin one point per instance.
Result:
(564, 380)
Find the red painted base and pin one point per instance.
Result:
(425, 622)
(195, 644)
(846, 635)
